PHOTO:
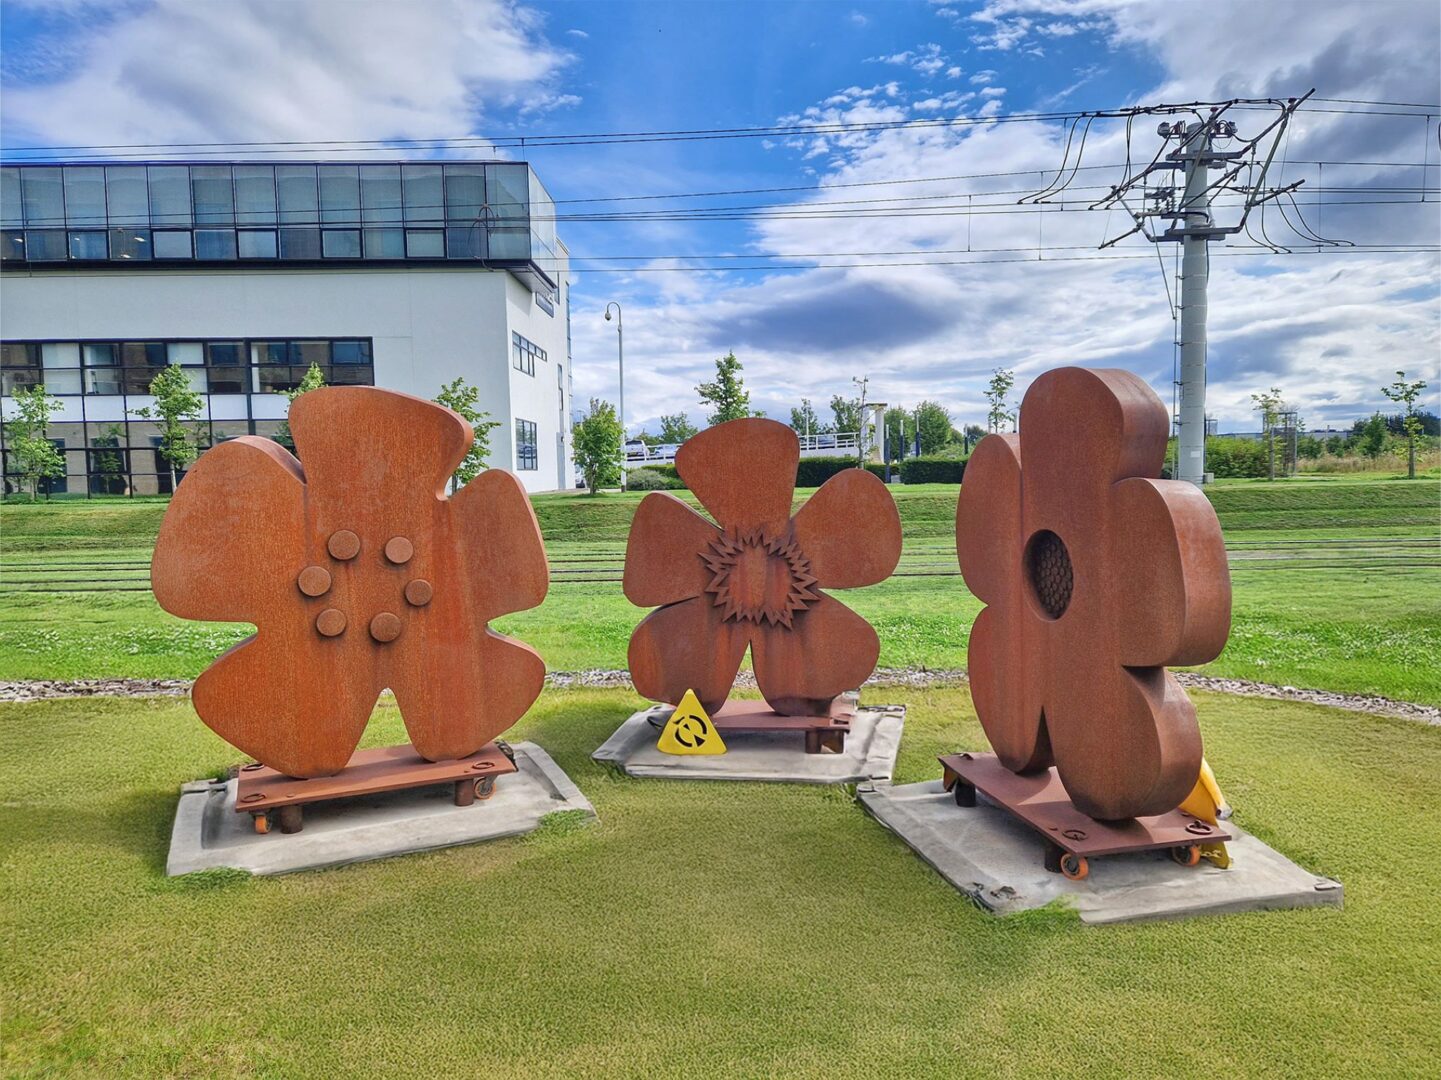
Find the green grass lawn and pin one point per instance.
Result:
(1337, 586)
(700, 929)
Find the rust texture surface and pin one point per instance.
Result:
(388, 768)
(1095, 575)
(1040, 800)
(360, 573)
(754, 576)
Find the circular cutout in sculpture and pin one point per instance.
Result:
(1049, 573)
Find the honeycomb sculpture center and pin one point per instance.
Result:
(1048, 569)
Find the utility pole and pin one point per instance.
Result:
(861, 435)
(1243, 164)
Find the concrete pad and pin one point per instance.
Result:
(997, 860)
(778, 756)
(209, 833)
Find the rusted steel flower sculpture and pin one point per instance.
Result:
(755, 579)
(360, 573)
(1095, 575)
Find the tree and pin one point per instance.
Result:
(997, 391)
(108, 460)
(32, 453)
(676, 428)
(596, 443)
(1269, 404)
(1373, 436)
(900, 430)
(934, 422)
(805, 421)
(1405, 393)
(313, 379)
(972, 434)
(460, 397)
(177, 406)
(847, 413)
(727, 394)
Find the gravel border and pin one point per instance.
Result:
(47, 689)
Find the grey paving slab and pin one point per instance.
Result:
(209, 833)
(781, 757)
(990, 856)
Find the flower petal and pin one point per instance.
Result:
(828, 650)
(362, 444)
(743, 472)
(1006, 694)
(664, 554)
(1171, 578)
(234, 536)
(1082, 429)
(686, 646)
(1146, 756)
(493, 544)
(988, 519)
(456, 696)
(850, 531)
(294, 705)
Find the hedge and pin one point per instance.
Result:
(932, 470)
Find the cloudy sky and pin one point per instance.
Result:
(897, 252)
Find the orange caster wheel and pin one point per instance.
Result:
(485, 787)
(1075, 867)
(262, 822)
(1187, 855)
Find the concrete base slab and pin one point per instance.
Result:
(778, 756)
(209, 833)
(996, 860)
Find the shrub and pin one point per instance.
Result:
(815, 471)
(1236, 458)
(650, 480)
(932, 470)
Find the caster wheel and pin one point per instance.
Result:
(1074, 867)
(1187, 855)
(262, 823)
(485, 787)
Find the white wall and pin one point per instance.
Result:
(429, 326)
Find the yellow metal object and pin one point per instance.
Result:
(689, 730)
(1216, 855)
(1205, 801)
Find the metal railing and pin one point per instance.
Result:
(839, 443)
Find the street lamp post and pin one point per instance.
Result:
(620, 355)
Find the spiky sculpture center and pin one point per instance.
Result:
(759, 577)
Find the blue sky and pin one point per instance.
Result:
(1327, 329)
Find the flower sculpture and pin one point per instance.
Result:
(755, 579)
(1095, 575)
(359, 574)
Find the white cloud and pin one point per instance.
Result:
(980, 78)
(855, 18)
(578, 34)
(266, 69)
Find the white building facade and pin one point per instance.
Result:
(406, 275)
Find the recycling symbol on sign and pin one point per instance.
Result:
(689, 730)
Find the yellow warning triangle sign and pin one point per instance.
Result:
(689, 730)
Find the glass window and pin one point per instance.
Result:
(84, 195)
(143, 354)
(380, 193)
(424, 193)
(465, 243)
(185, 353)
(526, 445)
(277, 378)
(102, 380)
(340, 195)
(254, 195)
(127, 201)
(509, 243)
(198, 381)
(42, 196)
(340, 243)
(257, 244)
(299, 203)
(171, 245)
(270, 352)
(87, 245)
(100, 354)
(350, 352)
(384, 244)
(228, 380)
(130, 243)
(464, 193)
(12, 245)
(169, 195)
(18, 354)
(507, 189)
(12, 208)
(524, 353)
(13, 379)
(306, 353)
(225, 353)
(424, 244)
(45, 245)
(214, 198)
(215, 244)
(356, 375)
(62, 368)
(299, 243)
